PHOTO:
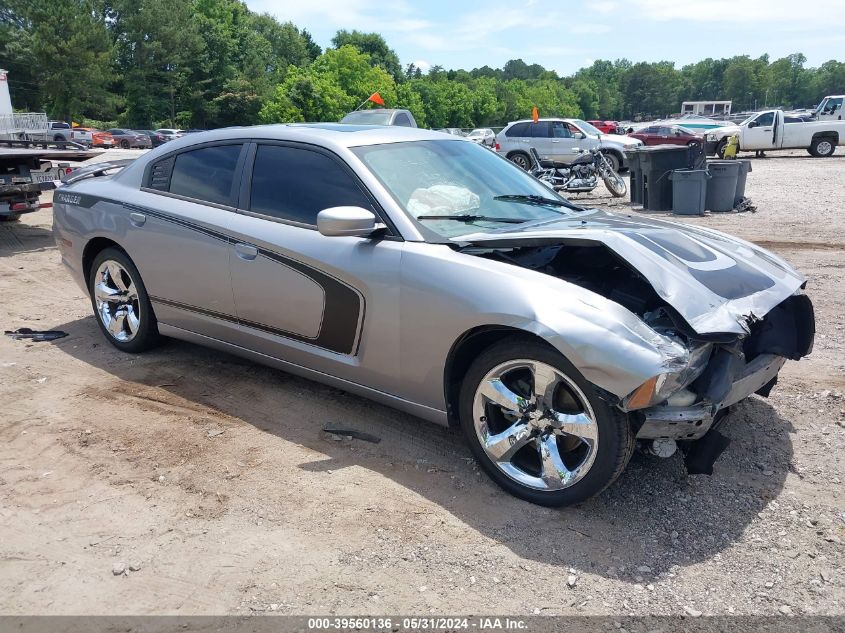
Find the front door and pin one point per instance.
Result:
(326, 303)
(762, 134)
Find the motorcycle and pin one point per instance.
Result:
(581, 176)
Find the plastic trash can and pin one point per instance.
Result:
(689, 191)
(657, 162)
(636, 172)
(721, 190)
(744, 168)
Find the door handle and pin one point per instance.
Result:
(767, 129)
(246, 251)
(137, 219)
(555, 141)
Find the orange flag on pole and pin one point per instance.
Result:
(376, 98)
(535, 115)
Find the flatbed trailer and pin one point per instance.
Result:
(27, 169)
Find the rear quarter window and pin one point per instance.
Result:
(206, 173)
(518, 129)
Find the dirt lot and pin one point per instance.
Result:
(209, 478)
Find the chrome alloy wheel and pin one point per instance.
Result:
(117, 301)
(535, 424)
(824, 148)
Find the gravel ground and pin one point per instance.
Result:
(186, 481)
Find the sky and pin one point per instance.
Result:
(566, 35)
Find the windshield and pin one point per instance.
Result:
(457, 185)
(367, 118)
(586, 128)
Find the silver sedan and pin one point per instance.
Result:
(430, 274)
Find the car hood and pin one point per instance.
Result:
(625, 141)
(725, 130)
(716, 282)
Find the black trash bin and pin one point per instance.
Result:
(744, 168)
(636, 176)
(689, 191)
(721, 190)
(657, 162)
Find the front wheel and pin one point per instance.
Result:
(538, 428)
(10, 217)
(121, 303)
(615, 184)
(720, 148)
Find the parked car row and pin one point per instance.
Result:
(125, 138)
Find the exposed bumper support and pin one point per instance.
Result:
(691, 423)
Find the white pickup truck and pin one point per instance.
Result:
(772, 129)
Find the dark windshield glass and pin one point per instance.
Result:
(454, 178)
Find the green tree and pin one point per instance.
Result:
(69, 52)
(372, 44)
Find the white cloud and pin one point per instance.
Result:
(741, 12)
(590, 28)
(422, 65)
(366, 15)
(604, 6)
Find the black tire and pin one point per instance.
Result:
(58, 138)
(10, 217)
(146, 336)
(521, 160)
(822, 147)
(614, 161)
(720, 148)
(615, 436)
(124, 144)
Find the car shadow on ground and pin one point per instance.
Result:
(18, 237)
(654, 518)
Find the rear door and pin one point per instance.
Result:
(178, 236)
(304, 297)
(541, 139)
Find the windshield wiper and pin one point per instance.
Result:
(538, 200)
(472, 218)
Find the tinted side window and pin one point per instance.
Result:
(518, 129)
(296, 184)
(403, 120)
(541, 129)
(206, 173)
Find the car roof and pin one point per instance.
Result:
(338, 135)
(551, 118)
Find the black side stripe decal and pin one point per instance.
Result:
(343, 313)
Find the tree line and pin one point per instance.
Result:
(214, 63)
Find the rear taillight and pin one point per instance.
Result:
(498, 147)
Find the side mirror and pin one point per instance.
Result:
(578, 136)
(753, 124)
(346, 221)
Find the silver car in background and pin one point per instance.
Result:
(432, 275)
(561, 141)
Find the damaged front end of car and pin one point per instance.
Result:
(735, 311)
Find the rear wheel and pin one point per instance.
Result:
(121, 303)
(124, 144)
(538, 428)
(822, 147)
(521, 159)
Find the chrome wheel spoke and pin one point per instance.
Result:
(577, 424)
(503, 446)
(117, 323)
(545, 382)
(116, 276)
(554, 472)
(103, 293)
(132, 320)
(496, 392)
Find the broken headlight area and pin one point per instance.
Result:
(728, 371)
